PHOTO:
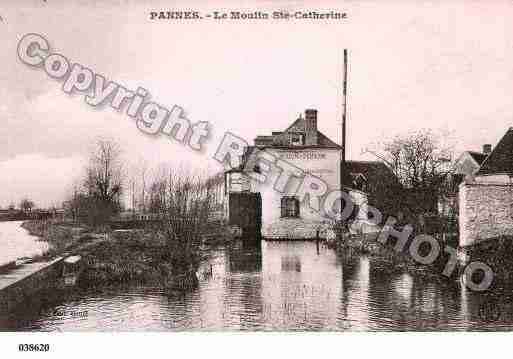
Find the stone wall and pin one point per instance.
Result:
(295, 228)
(485, 212)
(22, 290)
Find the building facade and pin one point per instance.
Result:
(468, 164)
(464, 169)
(289, 210)
(486, 197)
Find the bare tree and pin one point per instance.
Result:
(183, 203)
(26, 205)
(422, 163)
(143, 199)
(103, 182)
(157, 196)
(77, 203)
(137, 186)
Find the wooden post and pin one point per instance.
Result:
(344, 113)
(317, 241)
(343, 170)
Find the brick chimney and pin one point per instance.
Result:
(311, 127)
(487, 149)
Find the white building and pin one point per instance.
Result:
(307, 155)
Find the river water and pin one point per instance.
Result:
(16, 242)
(275, 286)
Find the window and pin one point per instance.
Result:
(289, 207)
(296, 140)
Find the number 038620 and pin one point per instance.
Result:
(33, 347)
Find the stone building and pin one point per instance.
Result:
(469, 162)
(287, 209)
(465, 169)
(486, 196)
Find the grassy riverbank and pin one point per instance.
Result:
(136, 255)
(121, 256)
(60, 237)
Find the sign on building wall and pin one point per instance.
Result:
(302, 155)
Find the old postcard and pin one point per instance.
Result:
(305, 166)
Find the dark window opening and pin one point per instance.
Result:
(297, 140)
(289, 207)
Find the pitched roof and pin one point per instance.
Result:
(370, 169)
(377, 174)
(324, 141)
(478, 156)
(298, 126)
(501, 158)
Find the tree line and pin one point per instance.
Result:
(181, 200)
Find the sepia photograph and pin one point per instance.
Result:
(292, 169)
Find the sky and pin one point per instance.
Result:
(443, 65)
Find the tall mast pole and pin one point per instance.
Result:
(344, 115)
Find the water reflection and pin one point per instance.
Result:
(16, 242)
(277, 286)
(300, 288)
